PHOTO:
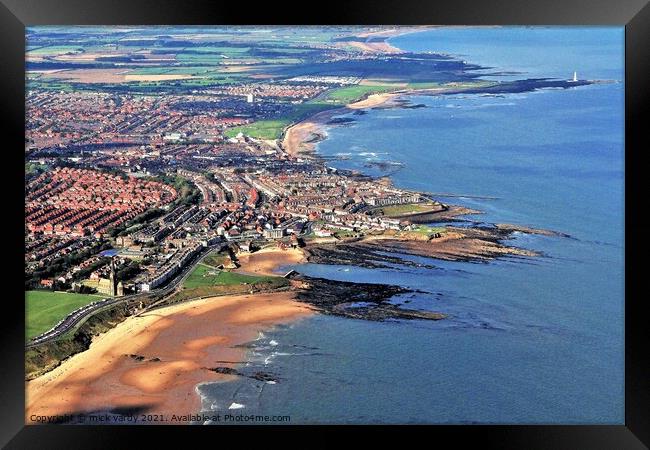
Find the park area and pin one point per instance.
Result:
(204, 275)
(208, 281)
(43, 309)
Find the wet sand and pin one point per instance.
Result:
(382, 46)
(302, 137)
(152, 363)
(267, 261)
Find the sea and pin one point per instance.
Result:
(536, 340)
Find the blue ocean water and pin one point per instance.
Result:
(528, 340)
(531, 51)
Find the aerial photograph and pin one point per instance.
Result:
(280, 225)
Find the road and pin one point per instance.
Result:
(78, 315)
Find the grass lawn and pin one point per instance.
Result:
(215, 259)
(204, 275)
(206, 281)
(427, 230)
(272, 129)
(349, 94)
(423, 85)
(396, 210)
(264, 129)
(44, 309)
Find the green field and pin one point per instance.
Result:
(264, 129)
(206, 281)
(215, 259)
(474, 84)
(55, 50)
(409, 208)
(185, 70)
(273, 128)
(220, 50)
(204, 59)
(43, 309)
(349, 94)
(149, 71)
(204, 275)
(423, 85)
(427, 230)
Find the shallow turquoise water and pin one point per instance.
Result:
(533, 340)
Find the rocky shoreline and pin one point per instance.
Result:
(366, 301)
(469, 244)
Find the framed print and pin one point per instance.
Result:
(244, 219)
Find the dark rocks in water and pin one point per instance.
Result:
(384, 165)
(518, 86)
(360, 112)
(419, 105)
(259, 375)
(263, 376)
(387, 311)
(339, 298)
(357, 255)
(340, 121)
(225, 370)
(314, 138)
(528, 230)
(501, 231)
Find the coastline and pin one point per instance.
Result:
(383, 46)
(529, 335)
(152, 363)
(300, 139)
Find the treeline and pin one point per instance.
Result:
(59, 266)
(188, 193)
(128, 272)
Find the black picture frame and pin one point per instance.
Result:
(633, 14)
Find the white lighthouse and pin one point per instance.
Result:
(575, 77)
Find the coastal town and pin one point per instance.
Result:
(265, 197)
(142, 182)
(167, 168)
(141, 158)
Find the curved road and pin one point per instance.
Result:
(76, 316)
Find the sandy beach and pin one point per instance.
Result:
(302, 137)
(383, 46)
(267, 261)
(153, 362)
